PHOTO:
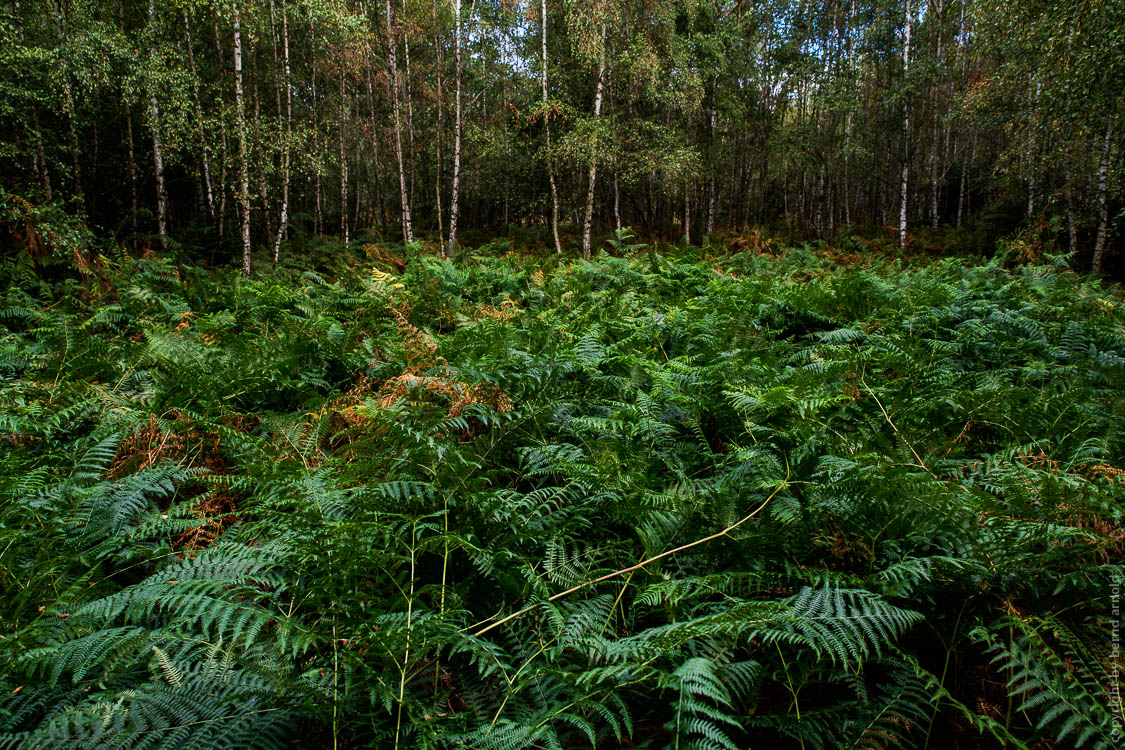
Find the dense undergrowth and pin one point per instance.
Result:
(303, 509)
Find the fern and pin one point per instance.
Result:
(482, 503)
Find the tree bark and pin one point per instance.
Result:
(407, 229)
(687, 213)
(283, 222)
(40, 159)
(257, 137)
(225, 151)
(157, 151)
(1103, 200)
(1032, 154)
(318, 221)
(458, 65)
(588, 224)
(905, 184)
(132, 167)
(243, 157)
(344, 235)
(206, 164)
(408, 94)
(1071, 223)
(547, 127)
(72, 126)
(934, 218)
(438, 134)
(711, 197)
(966, 167)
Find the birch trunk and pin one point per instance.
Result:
(438, 139)
(206, 165)
(407, 229)
(1031, 155)
(588, 224)
(455, 199)
(1072, 226)
(905, 183)
(157, 153)
(934, 136)
(711, 197)
(224, 143)
(408, 93)
(283, 223)
(72, 127)
(343, 161)
(256, 137)
(616, 205)
(132, 167)
(318, 222)
(966, 167)
(1103, 200)
(547, 126)
(687, 214)
(37, 133)
(130, 154)
(243, 158)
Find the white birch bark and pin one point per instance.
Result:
(458, 63)
(1103, 200)
(407, 228)
(283, 224)
(593, 174)
(157, 152)
(905, 183)
(547, 125)
(243, 157)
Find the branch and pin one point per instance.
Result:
(643, 563)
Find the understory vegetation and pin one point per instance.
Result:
(666, 499)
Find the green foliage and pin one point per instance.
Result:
(313, 508)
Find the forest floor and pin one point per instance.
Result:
(776, 497)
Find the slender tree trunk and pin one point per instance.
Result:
(243, 157)
(905, 133)
(711, 197)
(507, 141)
(1103, 200)
(438, 135)
(256, 137)
(1071, 224)
(199, 119)
(37, 133)
(409, 95)
(966, 167)
(157, 152)
(934, 218)
(848, 121)
(1032, 154)
(72, 126)
(343, 160)
(130, 154)
(547, 127)
(41, 156)
(318, 221)
(407, 229)
(847, 169)
(225, 154)
(132, 167)
(283, 223)
(616, 205)
(588, 224)
(687, 213)
(458, 66)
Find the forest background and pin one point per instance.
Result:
(224, 128)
